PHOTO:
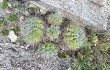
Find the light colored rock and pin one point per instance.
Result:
(25, 47)
(10, 5)
(1, 1)
(93, 11)
(26, 13)
(8, 11)
(21, 18)
(12, 36)
(39, 6)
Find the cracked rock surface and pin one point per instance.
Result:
(12, 57)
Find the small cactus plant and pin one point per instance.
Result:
(12, 17)
(72, 37)
(53, 32)
(54, 20)
(4, 4)
(37, 31)
(48, 48)
(34, 36)
(94, 39)
(5, 32)
(104, 47)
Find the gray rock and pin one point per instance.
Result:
(12, 57)
(93, 11)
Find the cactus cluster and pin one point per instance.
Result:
(48, 48)
(53, 30)
(54, 20)
(4, 4)
(37, 31)
(12, 17)
(73, 38)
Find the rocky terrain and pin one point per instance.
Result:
(54, 35)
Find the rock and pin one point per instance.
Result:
(1, 1)
(95, 12)
(21, 18)
(3, 39)
(12, 36)
(39, 6)
(108, 24)
(10, 5)
(8, 11)
(26, 13)
(12, 57)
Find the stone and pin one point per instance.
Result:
(8, 11)
(40, 6)
(21, 18)
(12, 36)
(13, 57)
(1, 1)
(87, 10)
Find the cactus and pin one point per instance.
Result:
(48, 48)
(4, 4)
(72, 37)
(12, 17)
(54, 20)
(94, 39)
(34, 36)
(53, 32)
(5, 32)
(37, 31)
(104, 47)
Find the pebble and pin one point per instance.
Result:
(12, 36)
(21, 18)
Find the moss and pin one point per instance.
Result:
(18, 5)
(3, 22)
(12, 17)
(4, 4)
(48, 48)
(53, 31)
(16, 29)
(54, 20)
(104, 46)
(72, 37)
(62, 55)
(5, 32)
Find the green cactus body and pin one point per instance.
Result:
(12, 17)
(34, 36)
(37, 31)
(53, 32)
(4, 4)
(72, 37)
(104, 46)
(94, 39)
(48, 48)
(54, 20)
